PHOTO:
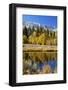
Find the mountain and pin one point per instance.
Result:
(38, 25)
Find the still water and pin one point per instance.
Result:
(39, 62)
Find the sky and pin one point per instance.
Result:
(43, 20)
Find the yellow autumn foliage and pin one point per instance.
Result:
(37, 39)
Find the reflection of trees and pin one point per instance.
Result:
(40, 56)
(34, 62)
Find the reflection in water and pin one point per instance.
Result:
(39, 62)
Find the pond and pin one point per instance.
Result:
(39, 63)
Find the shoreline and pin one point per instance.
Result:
(39, 48)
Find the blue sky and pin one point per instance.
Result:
(43, 20)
